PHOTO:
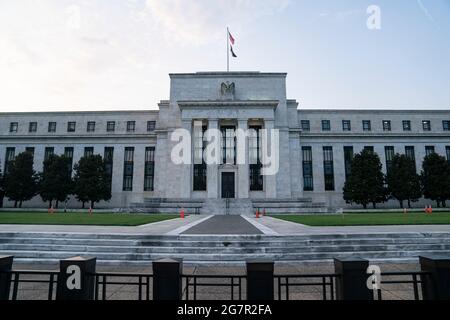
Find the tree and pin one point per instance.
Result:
(92, 181)
(21, 181)
(2, 188)
(403, 180)
(56, 181)
(366, 182)
(435, 179)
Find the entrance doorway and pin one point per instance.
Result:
(228, 191)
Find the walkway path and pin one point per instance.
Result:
(224, 225)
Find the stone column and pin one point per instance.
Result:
(243, 169)
(185, 169)
(270, 180)
(212, 172)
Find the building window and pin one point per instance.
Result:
(149, 173)
(346, 125)
(32, 127)
(88, 152)
(51, 127)
(91, 126)
(199, 161)
(411, 154)
(151, 125)
(328, 168)
(447, 151)
(10, 156)
(49, 151)
(131, 126)
(71, 126)
(254, 146)
(348, 158)
(390, 153)
(108, 158)
(13, 127)
(326, 125)
(228, 145)
(429, 150)
(406, 125)
(306, 126)
(369, 148)
(68, 153)
(110, 126)
(30, 150)
(387, 125)
(367, 126)
(446, 125)
(308, 182)
(426, 124)
(128, 168)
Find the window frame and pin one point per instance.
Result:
(326, 125)
(90, 126)
(13, 127)
(71, 126)
(131, 126)
(387, 125)
(305, 125)
(406, 125)
(367, 125)
(110, 126)
(32, 127)
(346, 125)
(426, 125)
(51, 127)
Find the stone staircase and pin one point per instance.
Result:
(161, 205)
(234, 207)
(118, 249)
(285, 206)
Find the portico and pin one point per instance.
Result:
(230, 176)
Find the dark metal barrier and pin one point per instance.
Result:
(142, 286)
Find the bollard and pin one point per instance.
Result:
(182, 213)
(5, 278)
(260, 280)
(436, 286)
(351, 283)
(167, 282)
(76, 280)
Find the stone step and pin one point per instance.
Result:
(180, 242)
(220, 238)
(78, 249)
(213, 257)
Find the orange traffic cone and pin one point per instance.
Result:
(257, 213)
(182, 213)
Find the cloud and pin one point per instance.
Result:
(199, 21)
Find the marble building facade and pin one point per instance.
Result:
(314, 145)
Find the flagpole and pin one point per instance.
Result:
(228, 50)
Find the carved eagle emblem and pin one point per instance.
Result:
(227, 89)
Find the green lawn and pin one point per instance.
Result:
(369, 219)
(97, 219)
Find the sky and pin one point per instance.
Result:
(58, 55)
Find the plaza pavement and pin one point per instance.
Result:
(208, 224)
